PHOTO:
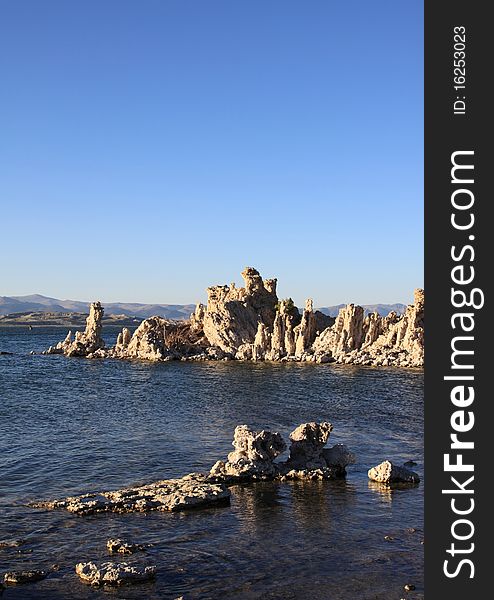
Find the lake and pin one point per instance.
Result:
(69, 426)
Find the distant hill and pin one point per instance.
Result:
(35, 303)
(38, 303)
(381, 309)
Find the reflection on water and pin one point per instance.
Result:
(70, 426)
(386, 491)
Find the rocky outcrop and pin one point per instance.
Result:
(148, 341)
(110, 573)
(253, 456)
(249, 323)
(307, 443)
(374, 340)
(123, 340)
(191, 491)
(387, 473)
(161, 339)
(309, 459)
(86, 342)
(232, 315)
(256, 451)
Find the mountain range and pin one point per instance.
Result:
(39, 303)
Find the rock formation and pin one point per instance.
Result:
(307, 442)
(249, 323)
(232, 314)
(191, 491)
(255, 452)
(110, 573)
(387, 473)
(309, 459)
(374, 340)
(253, 456)
(86, 342)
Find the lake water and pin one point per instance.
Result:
(69, 426)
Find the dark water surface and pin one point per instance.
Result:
(69, 426)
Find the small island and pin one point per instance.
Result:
(252, 323)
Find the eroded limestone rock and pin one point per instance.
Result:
(387, 473)
(191, 491)
(249, 323)
(255, 452)
(232, 315)
(253, 456)
(86, 342)
(307, 443)
(374, 340)
(110, 573)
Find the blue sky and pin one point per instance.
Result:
(150, 149)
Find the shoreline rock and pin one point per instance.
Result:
(387, 473)
(189, 492)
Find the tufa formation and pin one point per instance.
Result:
(251, 323)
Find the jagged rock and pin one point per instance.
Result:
(255, 452)
(312, 323)
(110, 573)
(148, 341)
(16, 577)
(232, 314)
(118, 546)
(191, 491)
(387, 472)
(249, 323)
(262, 342)
(378, 341)
(197, 317)
(253, 455)
(338, 456)
(283, 336)
(157, 339)
(344, 335)
(86, 342)
(123, 340)
(307, 443)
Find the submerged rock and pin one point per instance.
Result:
(110, 573)
(387, 472)
(191, 491)
(17, 577)
(118, 546)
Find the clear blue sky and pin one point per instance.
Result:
(151, 148)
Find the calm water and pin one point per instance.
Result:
(69, 426)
